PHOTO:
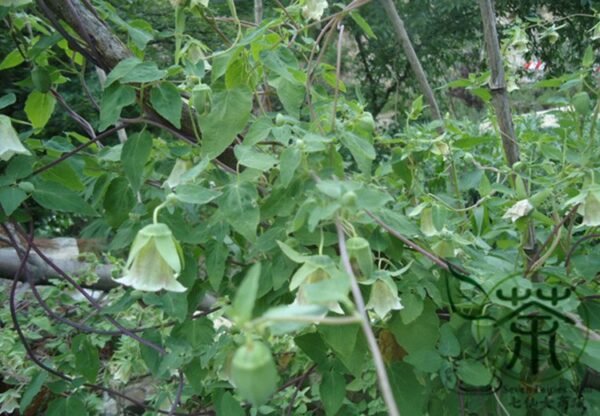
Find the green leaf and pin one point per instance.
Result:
(11, 198)
(143, 72)
(39, 107)
(312, 345)
(167, 102)
(173, 304)
(362, 23)
(474, 373)
(227, 117)
(332, 391)
(253, 158)
(588, 57)
(118, 202)
(449, 345)
(413, 307)
(280, 314)
(292, 254)
(121, 69)
(150, 356)
(87, 362)
(289, 161)
(362, 151)
(239, 208)
(7, 99)
(53, 196)
(245, 297)
(341, 338)
(71, 405)
(258, 131)
(228, 406)
(14, 58)
(134, 156)
(140, 32)
(282, 62)
(422, 333)
(199, 333)
(114, 99)
(409, 392)
(328, 290)
(195, 194)
(426, 360)
(32, 390)
(216, 256)
(371, 199)
(65, 174)
(290, 94)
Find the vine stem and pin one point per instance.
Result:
(157, 210)
(382, 377)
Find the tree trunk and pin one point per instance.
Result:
(404, 39)
(498, 84)
(258, 11)
(97, 42)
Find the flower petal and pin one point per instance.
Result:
(10, 144)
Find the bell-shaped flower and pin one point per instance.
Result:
(10, 144)
(179, 169)
(384, 296)
(154, 261)
(518, 210)
(589, 200)
(313, 9)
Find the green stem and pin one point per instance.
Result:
(156, 211)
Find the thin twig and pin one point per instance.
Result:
(434, 258)
(78, 149)
(95, 304)
(382, 377)
(298, 385)
(177, 394)
(73, 114)
(338, 71)
(555, 231)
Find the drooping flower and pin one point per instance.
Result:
(518, 210)
(589, 200)
(384, 297)
(154, 261)
(313, 9)
(181, 166)
(10, 144)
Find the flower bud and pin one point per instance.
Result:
(201, 97)
(349, 199)
(582, 103)
(359, 252)
(154, 261)
(253, 372)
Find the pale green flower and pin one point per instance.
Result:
(313, 9)
(589, 200)
(518, 210)
(10, 144)
(384, 296)
(179, 169)
(154, 261)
